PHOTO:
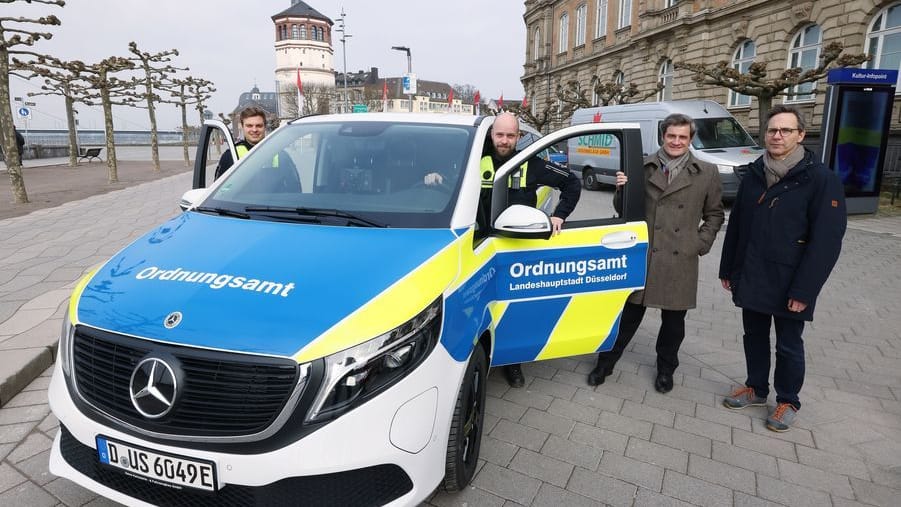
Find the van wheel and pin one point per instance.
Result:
(590, 180)
(466, 428)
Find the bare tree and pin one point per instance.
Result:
(185, 92)
(611, 91)
(97, 83)
(13, 34)
(755, 82)
(464, 92)
(151, 80)
(290, 104)
(57, 81)
(540, 119)
(317, 98)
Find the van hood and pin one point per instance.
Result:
(741, 155)
(257, 287)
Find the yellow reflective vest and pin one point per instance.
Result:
(515, 181)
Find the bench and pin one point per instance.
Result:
(90, 154)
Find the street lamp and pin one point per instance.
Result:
(344, 36)
(409, 69)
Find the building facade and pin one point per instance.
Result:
(385, 94)
(639, 41)
(303, 45)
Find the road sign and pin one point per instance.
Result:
(17, 99)
(409, 81)
(32, 104)
(24, 112)
(360, 108)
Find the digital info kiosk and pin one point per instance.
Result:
(855, 131)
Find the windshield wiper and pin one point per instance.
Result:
(316, 212)
(222, 212)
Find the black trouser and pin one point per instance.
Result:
(669, 337)
(789, 375)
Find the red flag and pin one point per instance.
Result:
(385, 89)
(597, 117)
(476, 98)
(525, 102)
(450, 97)
(299, 84)
(500, 102)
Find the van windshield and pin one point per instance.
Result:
(330, 173)
(720, 133)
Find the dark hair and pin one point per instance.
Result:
(677, 120)
(782, 109)
(251, 111)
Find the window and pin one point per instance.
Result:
(665, 76)
(536, 45)
(625, 14)
(619, 78)
(805, 53)
(303, 32)
(601, 27)
(884, 41)
(741, 61)
(564, 33)
(294, 32)
(670, 3)
(581, 15)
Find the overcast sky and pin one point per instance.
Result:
(230, 42)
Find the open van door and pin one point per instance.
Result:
(214, 137)
(563, 296)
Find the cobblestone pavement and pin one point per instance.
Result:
(557, 441)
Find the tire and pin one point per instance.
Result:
(590, 180)
(465, 437)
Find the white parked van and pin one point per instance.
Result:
(719, 139)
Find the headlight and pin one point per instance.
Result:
(354, 375)
(725, 169)
(64, 353)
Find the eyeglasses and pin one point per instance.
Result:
(784, 131)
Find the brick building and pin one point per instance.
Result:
(638, 41)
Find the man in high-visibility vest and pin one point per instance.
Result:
(253, 125)
(522, 187)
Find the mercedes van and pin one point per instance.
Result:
(719, 139)
(316, 327)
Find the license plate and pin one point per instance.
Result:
(157, 467)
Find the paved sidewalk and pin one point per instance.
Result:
(557, 441)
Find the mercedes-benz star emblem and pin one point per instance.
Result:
(153, 388)
(172, 320)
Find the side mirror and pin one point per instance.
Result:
(519, 221)
(191, 197)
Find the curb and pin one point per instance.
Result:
(24, 365)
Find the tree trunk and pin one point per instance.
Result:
(154, 142)
(10, 150)
(108, 127)
(184, 129)
(70, 123)
(764, 104)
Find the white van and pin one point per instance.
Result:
(719, 139)
(317, 327)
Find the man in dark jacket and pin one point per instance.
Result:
(783, 239)
(684, 210)
(523, 188)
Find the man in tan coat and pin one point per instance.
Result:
(684, 211)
